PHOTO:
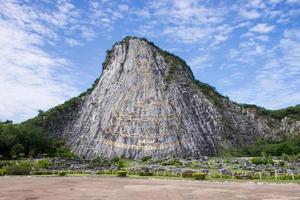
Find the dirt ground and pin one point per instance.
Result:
(67, 188)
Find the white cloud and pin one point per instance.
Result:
(30, 77)
(293, 1)
(276, 83)
(72, 42)
(249, 14)
(262, 28)
(199, 63)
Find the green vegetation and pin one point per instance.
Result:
(284, 146)
(2, 172)
(43, 164)
(19, 168)
(292, 112)
(199, 176)
(174, 162)
(121, 173)
(187, 174)
(26, 140)
(61, 173)
(262, 161)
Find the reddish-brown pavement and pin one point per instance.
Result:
(92, 188)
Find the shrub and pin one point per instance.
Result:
(262, 161)
(297, 176)
(42, 172)
(98, 172)
(187, 174)
(2, 172)
(18, 170)
(43, 164)
(61, 173)
(121, 173)
(145, 173)
(199, 176)
(243, 176)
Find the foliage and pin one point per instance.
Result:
(187, 174)
(61, 173)
(2, 172)
(43, 164)
(291, 112)
(28, 140)
(19, 168)
(284, 146)
(121, 173)
(43, 172)
(262, 161)
(145, 173)
(199, 176)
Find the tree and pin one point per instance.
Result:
(17, 150)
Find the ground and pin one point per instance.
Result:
(92, 188)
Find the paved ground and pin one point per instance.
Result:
(67, 188)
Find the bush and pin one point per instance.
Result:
(42, 172)
(145, 173)
(243, 176)
(61, 173)
(2, 172)
(99, 172)
(187, 174)
(121, 173)
(199, 176)
(18, 170)
(43, 164)
(262, 161)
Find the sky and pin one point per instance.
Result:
(52, 50)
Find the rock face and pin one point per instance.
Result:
(147, 103)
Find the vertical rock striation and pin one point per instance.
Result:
(147, 103)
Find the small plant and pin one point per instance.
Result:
(121, 173)
(199, 176)
(187, 174)
(61, 173)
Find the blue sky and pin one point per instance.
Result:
(53, 50)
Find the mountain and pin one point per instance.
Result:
(148, 103)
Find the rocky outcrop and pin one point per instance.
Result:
(147, 103)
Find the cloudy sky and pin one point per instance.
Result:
(53, 50)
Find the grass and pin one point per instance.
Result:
(276, 181)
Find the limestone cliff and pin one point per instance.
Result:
(147, 103)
